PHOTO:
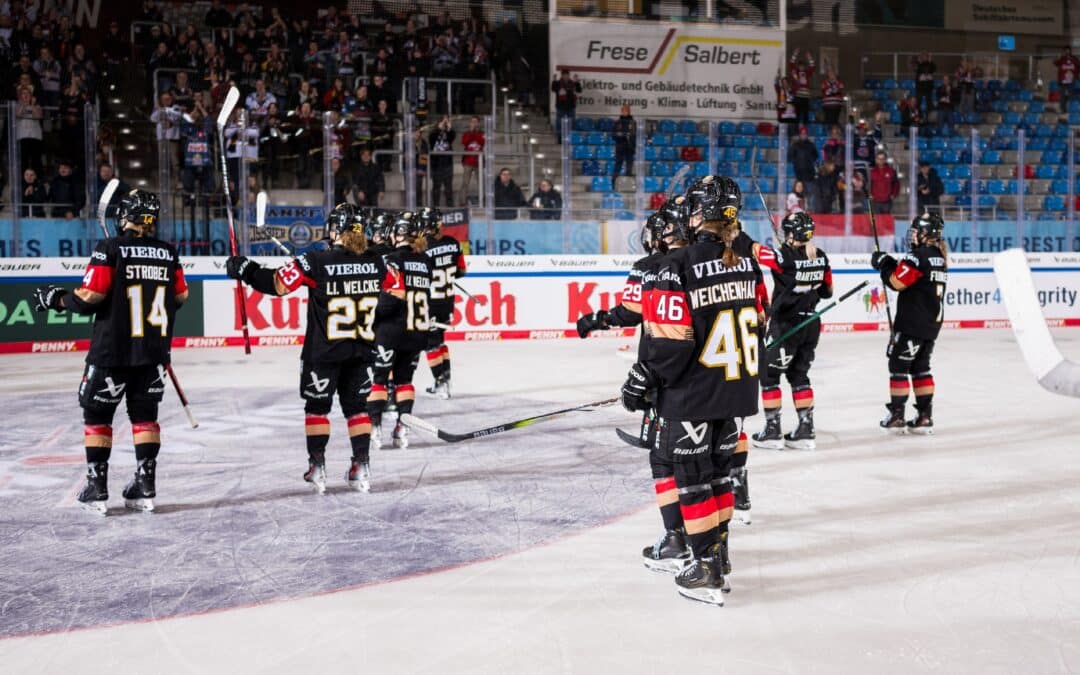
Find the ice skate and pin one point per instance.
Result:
(669, 554)
(803, 437)
(376, 434)
(401, 436)
(359, 476)
(923, 425)
(440, 388)
(893, 422)
(391, 396)
(740, 484)
(95, 495)
(140, 492)
(703, 579)
(316, 475)
(769, 438)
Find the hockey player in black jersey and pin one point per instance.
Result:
(701, 367)
(919, 278)
(448, 265)
(801, 276)
(402, 324)
(379, 231)
(338, 355)
(133, 286)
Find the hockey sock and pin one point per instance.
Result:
(898, 390)
(435, 361)
(317, 428)
(725, 501)
(360, 436)
(700, 517)
(98, 441)
(924, 392)
(147, 436)
(405, 395)
(803, 396)
(445, 361)
(376, 403)
(771, 399)
(738, 460)
(667, 498)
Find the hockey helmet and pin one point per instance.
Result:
(139, 207)
(674, 222)
(926, 227)
(648, 232)
(798, 226)
(430, 220)
(720, 199)
(380, 226)
(407, 225)
(344, 218)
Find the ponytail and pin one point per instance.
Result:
(355, 242)
(727, 231)
(418, 244)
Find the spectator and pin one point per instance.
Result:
(442, 166)
(796, 199)
(28, 116)
(803, 156)
(72, 105)
(521, 76)
(508, 197)
(858, 193)
(866, 142)
(910, 115)
(946, 100)
(334, 98)
(930, 188)
(421, 160)
(835, 149)
(343, 57)
(785, 107)
(305, 93)
(965, 82)
(379, 90)
(884, 185)
(270, 142)
(196, 134)
(182, 93)
(241, 144)
(66, 193)
(276, 77)
(249, 73)
(105, 174)
(1068, 67)
(34, 195)
(832, 97)
(217, 16)
(925, 70)
(343, 184)
(546, 202)
(167, 117)
(258, 102)
(624, 133)
(472, 141)
(369, 181)
(443, 61)
(566, 90)
(802, 72)
(306, 140)
(50, 72)
(79, 64)
(382, 133)
(826, 189)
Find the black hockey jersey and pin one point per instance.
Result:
(404, 314)
(798, 282)
(448, 264)
(628, 311)
(140, 279)
(920, 278)
(343, 294)
(702, 321)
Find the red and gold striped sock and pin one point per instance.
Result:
(405, 395)
(700, 517)
(804, 397)
(360, 436)
(898, 390)
(667, 498)
(317, 429)
(97, 438)
(147, 437)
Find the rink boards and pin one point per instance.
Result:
(513, 297)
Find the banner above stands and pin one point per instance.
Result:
(513, 297)
(670, 69)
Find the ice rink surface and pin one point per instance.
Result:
(520, 553)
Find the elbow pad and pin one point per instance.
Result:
(262, 280)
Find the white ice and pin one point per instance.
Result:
(958, 553)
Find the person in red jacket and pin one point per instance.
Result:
(832, 97)
(802, 72)
(1068, 68)
(884, 185)
(471, 141)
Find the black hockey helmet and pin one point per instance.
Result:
(430, 220)
(649, 230)
(139, 207)
(926, 227)
(799, 226)
(407, 225)
(717, 198)
(381, 226)
(674, 222)
(344, 218)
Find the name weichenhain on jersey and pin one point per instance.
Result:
(720, 293)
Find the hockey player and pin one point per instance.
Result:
(133, 286)
(402, 323)
(701, 367)
(448, 265)
(801, 276)
(343, 290)
(379, 232)
(919, 278)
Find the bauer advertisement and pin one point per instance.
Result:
(670, 70)
(513, 297)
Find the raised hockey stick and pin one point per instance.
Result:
(1053, 371)
(677, 179)
(462, 289)
(877, 247)
(260, 220)
(223, 118)
(449, 437)
(103, 204)
(799, 326)
(182, 396)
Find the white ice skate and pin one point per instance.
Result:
(316, 475)
(359, 476)
(401, 436)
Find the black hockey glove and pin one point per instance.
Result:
(639, 390)
(242, 268)
(49, 297)
(876, 258)
(590, 322)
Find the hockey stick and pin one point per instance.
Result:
(813, 317)
(183, 397)
(1053, 371)
(773, 225)
(103, 204)
(260, 220)
(467, 294)
(499, 428)
(223, 117)
(676, 179)
(877, 247)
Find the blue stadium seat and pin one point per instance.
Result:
(871, 84)
(945, 171)
(962, 171)
(653, 184)
(605, 152)
(590, 167)
(895, 117)
(954, 187)
(666, 126)
(584, 124)
(1060, 131)
(747, 128)
(612, 200)
(1044, 130)
(578, 138)
(1013, 85)
(700, 140)
(1025, 95)
(986, 201)
(700, 169)
(659, 169)
(1061, 144)
(584, 152)
(1011, 117)
(744, 169)
(938, 144)
(605, 124)
(601, 184)
(598, 138)
(742, 142)
(652, 153)
(669, 153)
(660, 139)
(907, 85)
(1039, 143)
(963, 200)
(995, 187)
(1037, 107)
(624, 215)
(950, 157)
(687, 127)
(999, 106)
(1059, 186)
(728, 128)
(889, 84)
(1031, 119)
(922, 143)
(991, 157)
(1054, 203)
(767, 170)
(1012, 185)
(745, 184)
(681, 140)
(932, 156)
(1063, 171)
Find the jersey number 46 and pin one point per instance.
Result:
(733, 341)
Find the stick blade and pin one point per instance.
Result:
(1028, 323)
(227, 107)
(260, 209)
(107, 193)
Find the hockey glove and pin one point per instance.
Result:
(590, 322)
(877, 258)
(639, 390)
(49, 297)
(242, 268)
